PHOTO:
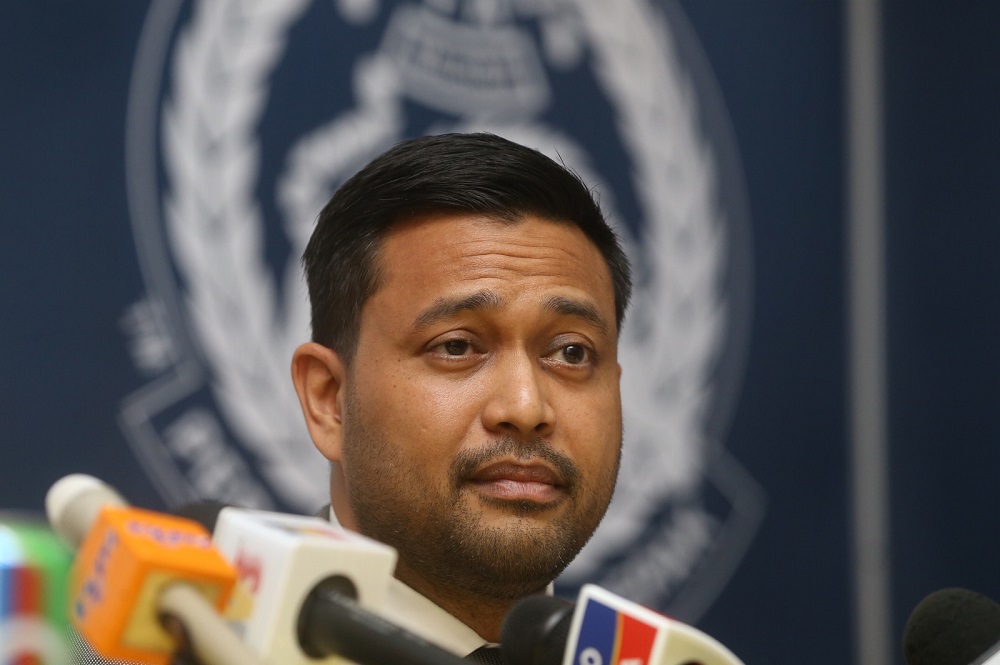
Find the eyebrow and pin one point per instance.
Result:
(571, 307)
(446, 308)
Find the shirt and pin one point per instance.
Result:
(420, 615)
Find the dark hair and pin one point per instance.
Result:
(474, 173)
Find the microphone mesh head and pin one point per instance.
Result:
(84, 654)
(951, 627)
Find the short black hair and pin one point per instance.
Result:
(475, 173)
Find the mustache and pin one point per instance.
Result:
(469, 461)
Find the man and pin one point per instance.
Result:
(463, 380)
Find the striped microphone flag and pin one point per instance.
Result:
(34, 568)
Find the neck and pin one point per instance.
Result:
(482, 614)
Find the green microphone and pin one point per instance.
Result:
(34, 573)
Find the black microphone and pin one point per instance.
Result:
(952, 627)
(535, 630)
(602, 627)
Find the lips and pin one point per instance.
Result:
(521, 482)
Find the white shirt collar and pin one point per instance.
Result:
(418, 614)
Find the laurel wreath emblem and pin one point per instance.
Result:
(215, 229)
(247, 330)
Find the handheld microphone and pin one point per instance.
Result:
(34, 571)
(953, 627)
(142, 582)
(316, 589)
(603, 628)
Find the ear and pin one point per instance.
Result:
(320, 378)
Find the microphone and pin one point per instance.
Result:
(34, 568)
(535, 630)
(143, 583)
(603, 628)
(316, 588)
(953, 627)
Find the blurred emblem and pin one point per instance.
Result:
(246, 115)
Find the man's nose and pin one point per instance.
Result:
(518, 402)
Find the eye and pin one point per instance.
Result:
(455, 347)
(573, 354)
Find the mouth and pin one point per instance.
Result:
(510, 481)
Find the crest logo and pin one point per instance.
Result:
(245, 116)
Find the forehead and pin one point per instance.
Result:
(437, 256)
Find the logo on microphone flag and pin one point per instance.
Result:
(610, 636)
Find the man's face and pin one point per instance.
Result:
(482, 417)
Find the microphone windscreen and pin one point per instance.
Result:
(951, 627)
(535, 630)
(73, 503)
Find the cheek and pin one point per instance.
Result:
(593, 427)
(448, 408)
(431, 413)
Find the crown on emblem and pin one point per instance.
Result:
(466, 66)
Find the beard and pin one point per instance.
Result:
(440, 529)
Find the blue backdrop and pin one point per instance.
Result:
(162, 162)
